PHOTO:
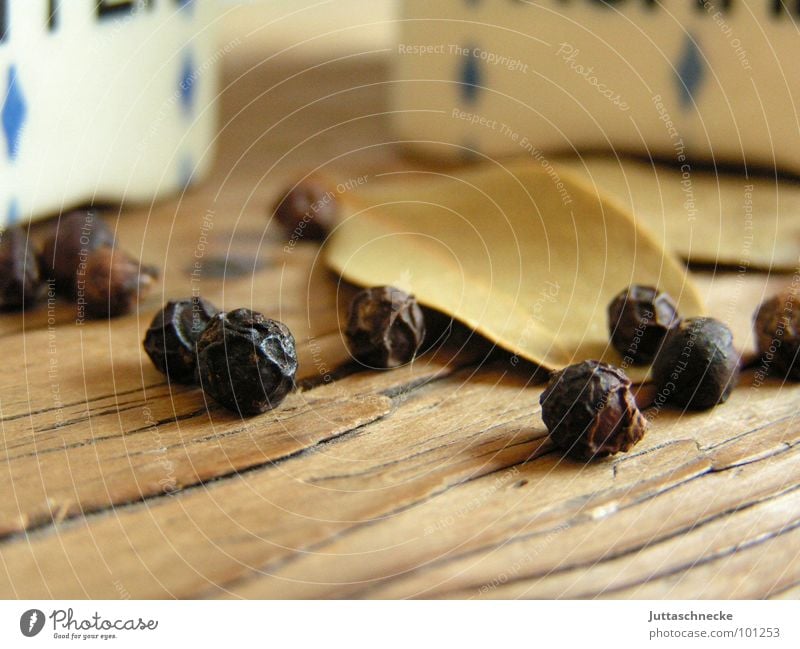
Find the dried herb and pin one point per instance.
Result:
(657, 195)
(525, 260)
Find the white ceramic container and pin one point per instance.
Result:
(107, 101)
(688, 80)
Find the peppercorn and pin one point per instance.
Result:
(697, 366)
(385, 328)
(246, 361)
(590, 411)
(171, 339)
(77, 235)
(777, 332)
(639, 318)
(111, 283)
(20, 284)
(308, 211)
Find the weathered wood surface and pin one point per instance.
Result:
(435, 480)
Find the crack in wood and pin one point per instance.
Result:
(715, 556)
(94, 440)
(786, 589)
(757, 429)
(652, 542)
(577, 519)
(86, 515)
(188, 488)
(69, 404)
(385, 465)
(414, 385)
(635, 455)
(281, 562)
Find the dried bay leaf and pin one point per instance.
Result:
(704, 217)
(529, 262)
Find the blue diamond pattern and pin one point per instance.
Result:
(690, 71)
(13, 113)
(188, 80)
(12, 216)
(470, 150)
(470, 77)
(186, 171)
(186, 4)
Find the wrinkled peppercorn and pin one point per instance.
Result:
(590, 411)
(385, 328)
(111, 283)
(171, 339)
(777, 329)
(20, 284)
(77, 235)
(246, 361)
(639, 318)
(307, 211)
(697, 366)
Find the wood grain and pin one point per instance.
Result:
(435, 480)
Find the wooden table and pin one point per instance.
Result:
(435, 480)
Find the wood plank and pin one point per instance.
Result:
(750, 573)
(148, 441)
(712, 536)
(792, 592)
(329, 502)
(513, 535)
(270, 514)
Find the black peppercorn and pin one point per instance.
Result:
(307, 211)
(111, 283)
(697, 366)
(639, 318)
(20, 284)
(77, 235)
(246, 361)
(385, 327)
(590, 411)
(777, 332)
(171, 339)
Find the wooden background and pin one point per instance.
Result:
(435, 480)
